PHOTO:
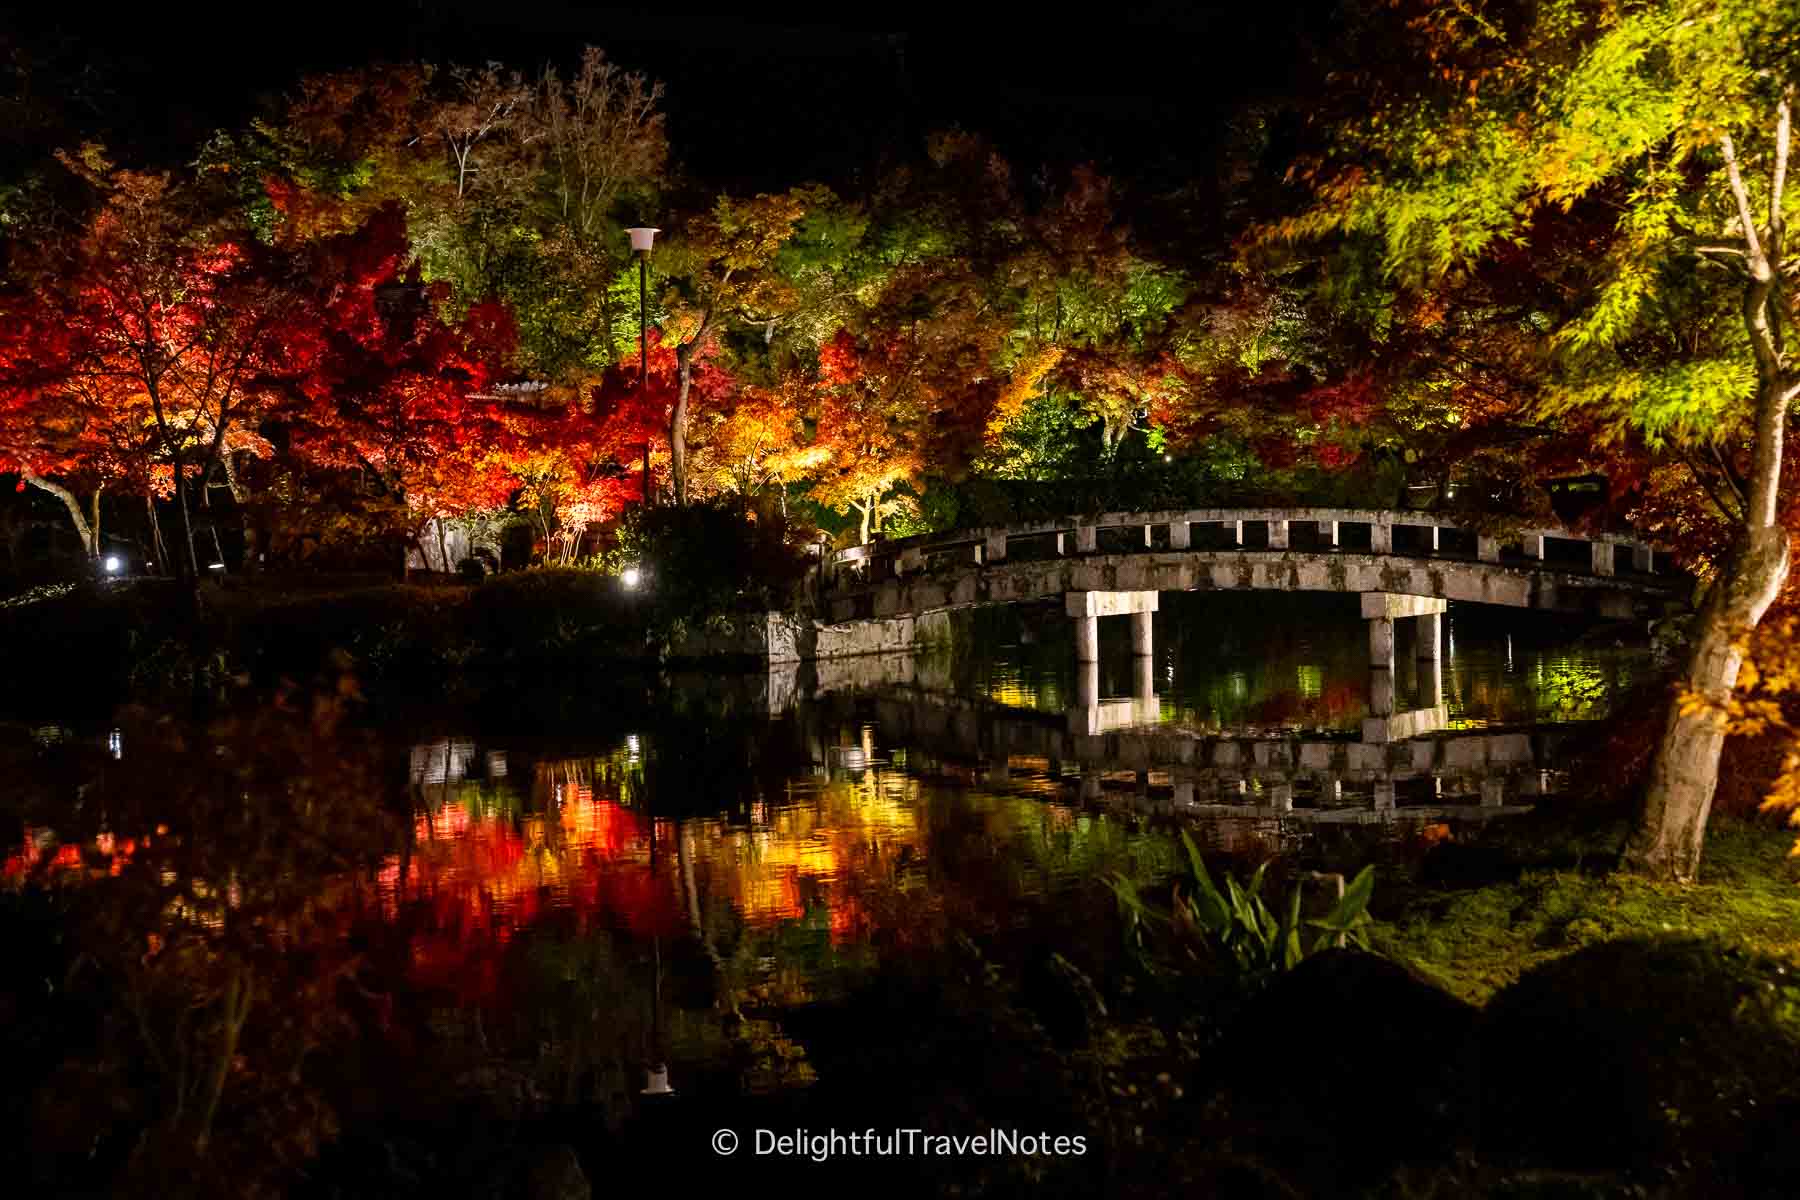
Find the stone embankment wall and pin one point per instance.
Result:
(780, 637)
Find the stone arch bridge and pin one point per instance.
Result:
(1403, 553)
(892, 596)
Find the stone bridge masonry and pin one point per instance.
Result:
(1404, 565)
(887, 597)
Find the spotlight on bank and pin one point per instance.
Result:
(631, 577)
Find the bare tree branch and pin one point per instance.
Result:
(1742, 197)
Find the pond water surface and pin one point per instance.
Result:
(669, 871)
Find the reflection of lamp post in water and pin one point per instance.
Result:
(656, 1074)
(642, 238)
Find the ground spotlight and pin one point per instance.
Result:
(114, 564)
(631, 577)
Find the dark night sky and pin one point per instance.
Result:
(760, 97)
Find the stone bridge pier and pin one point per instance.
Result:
(1086, 609)
(1381, 610)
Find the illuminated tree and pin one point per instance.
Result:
(724, 265)
(391, 390)
(168, 319)
(1675, 116)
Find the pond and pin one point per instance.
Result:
(539, 899)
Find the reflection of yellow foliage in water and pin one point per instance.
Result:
(1015, 694)
(811, 852)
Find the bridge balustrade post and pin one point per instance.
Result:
(1493, 791)
(1384, 795)
(1487, 549)
(1643, 559)
(1381, 537)
(1533, 545)
(1087, 539)
(1178, 535)
(1149, 536)
(1601, 554)
(1237, 532)
(1328, 533)
(996, 547)
(1436, 532)
(1278, 535)
(1184, 793)
(1281, 797)
(1062, 543)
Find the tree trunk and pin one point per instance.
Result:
(156, 538)
(865, 510)
(1685, 772)
(678, 418)
(240, 495)
(187, 525)
(88, 534)
(678, 424)
(1112, 432)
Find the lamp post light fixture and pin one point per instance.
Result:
(632, 577)
(642, 238)
(114, 564)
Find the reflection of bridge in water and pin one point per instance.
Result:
(1404, 764)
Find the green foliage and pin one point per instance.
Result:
(704, 558)
(935, 509)
(1237, 927)
(1527, 135)
(1048, 439)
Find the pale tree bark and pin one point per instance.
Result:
(678, 417)
(1685, 771)
(89, 534)
(240, 495)
(156, 538)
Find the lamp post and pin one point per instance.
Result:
(642, 238)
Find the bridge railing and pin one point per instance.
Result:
(1421, 535)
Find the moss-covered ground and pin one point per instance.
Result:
(1476, 935)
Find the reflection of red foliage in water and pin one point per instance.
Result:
(470, 883)
(67, 857)
(1335, 701)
